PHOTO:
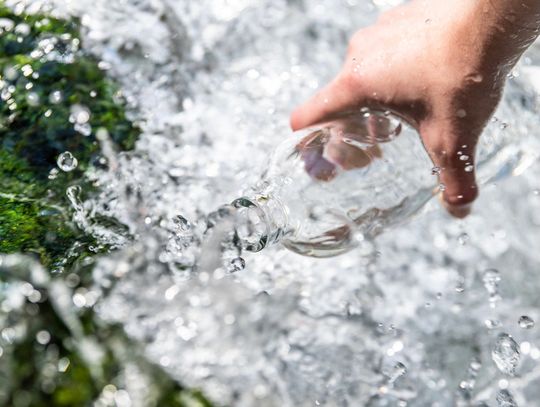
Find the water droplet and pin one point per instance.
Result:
(505, 399)
(182, 223)
(463, 239)
(43, 337)
(492, 323)
(32, 98)
(442, 187)
(53, 173)
(56, 97)
(491, 279)
(67, 162)
(461, 113)
(10, 73)
(435, 170)
(476, 365)
(23, 29)
(469, 168)
(477, 78)
(237, 264)
(27, 70)
(463, 157)
(80, 114)
(460, 284)
(84, 129)
(6, 25)
(397, 371)
(506, 354)
(526, 322)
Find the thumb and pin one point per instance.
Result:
(342, 94)
(453, 153)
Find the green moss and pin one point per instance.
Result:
(35, 128)
(38, 129)
(29, 226)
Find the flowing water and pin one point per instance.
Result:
(439, 312)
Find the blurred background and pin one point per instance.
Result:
(124, 122)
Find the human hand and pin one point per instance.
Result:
(439, 65)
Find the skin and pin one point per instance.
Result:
(441, 65)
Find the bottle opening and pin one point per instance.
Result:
(251, 224)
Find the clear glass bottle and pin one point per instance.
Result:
(329, 187)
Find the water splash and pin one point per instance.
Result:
(211, 84)
(505, 399)
(506, 354)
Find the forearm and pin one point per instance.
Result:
(521, 14)
(515, 25)
(494, 33)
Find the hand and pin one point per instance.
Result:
(439, 65)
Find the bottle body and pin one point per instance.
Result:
(329, 187)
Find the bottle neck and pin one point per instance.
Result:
(261, 221)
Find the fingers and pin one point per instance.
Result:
(452, 151)
(340, 95)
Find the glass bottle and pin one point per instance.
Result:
(329, 187)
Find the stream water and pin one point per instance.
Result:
(440, 313)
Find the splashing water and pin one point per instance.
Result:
(506, 354)
(212, 83)
(505, 399)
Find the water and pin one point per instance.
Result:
(212, 83)
(505, 399)
(67, 161)
(526, 322)
(506, 354)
